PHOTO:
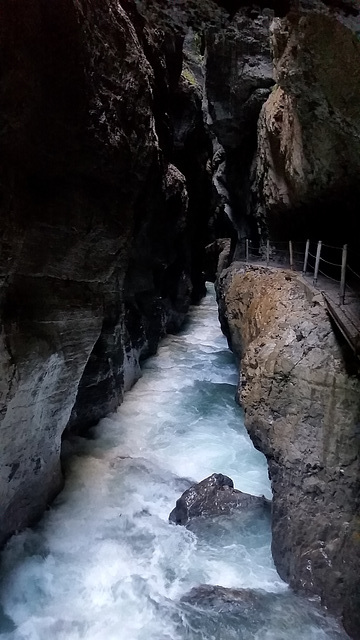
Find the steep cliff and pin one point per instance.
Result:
(301, 402)
(95, 226)
(302, 409)
(236, 72)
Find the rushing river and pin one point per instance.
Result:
(105, 564)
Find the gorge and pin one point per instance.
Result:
(105, 563)
(136, 137)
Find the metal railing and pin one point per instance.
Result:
(313, 259)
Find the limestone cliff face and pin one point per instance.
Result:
(94, 225)
(302, 409)
(308, 134)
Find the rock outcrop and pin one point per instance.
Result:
(211, 497)
(302, 409)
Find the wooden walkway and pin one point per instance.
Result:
(347, 319)
(346, 316)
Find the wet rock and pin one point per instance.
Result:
(245, 613)
(216, 597)
(302, 410)
(213, 496)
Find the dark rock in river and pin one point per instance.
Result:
(216, 597)
(213, 496)
(246, 613)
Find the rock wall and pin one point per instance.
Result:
(302, 409)
(106, 191)
(238, 79)
(308, 155)
(95, 226)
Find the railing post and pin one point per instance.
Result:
(291, 255)
(317, 262)
(343, 274)
(267, 252)
(247, 250)
(307, 247)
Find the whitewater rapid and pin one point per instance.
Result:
(105, 564)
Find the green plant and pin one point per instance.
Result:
(189, 76)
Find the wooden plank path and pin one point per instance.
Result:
(346, 316)
(346, 320)
(347, 327)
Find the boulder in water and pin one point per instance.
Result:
(212, 497)
(216, 597)
(245, 613)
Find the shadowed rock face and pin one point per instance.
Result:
(301, 157)
(239, 76)
(302, 410)
(94, 258)
(211, 497)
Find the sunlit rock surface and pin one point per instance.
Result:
(308, 151)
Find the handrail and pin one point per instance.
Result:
(298, 254)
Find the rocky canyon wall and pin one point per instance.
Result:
(307, 161)
(96, 226)
(117, 152)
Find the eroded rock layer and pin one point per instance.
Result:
(302, 408)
